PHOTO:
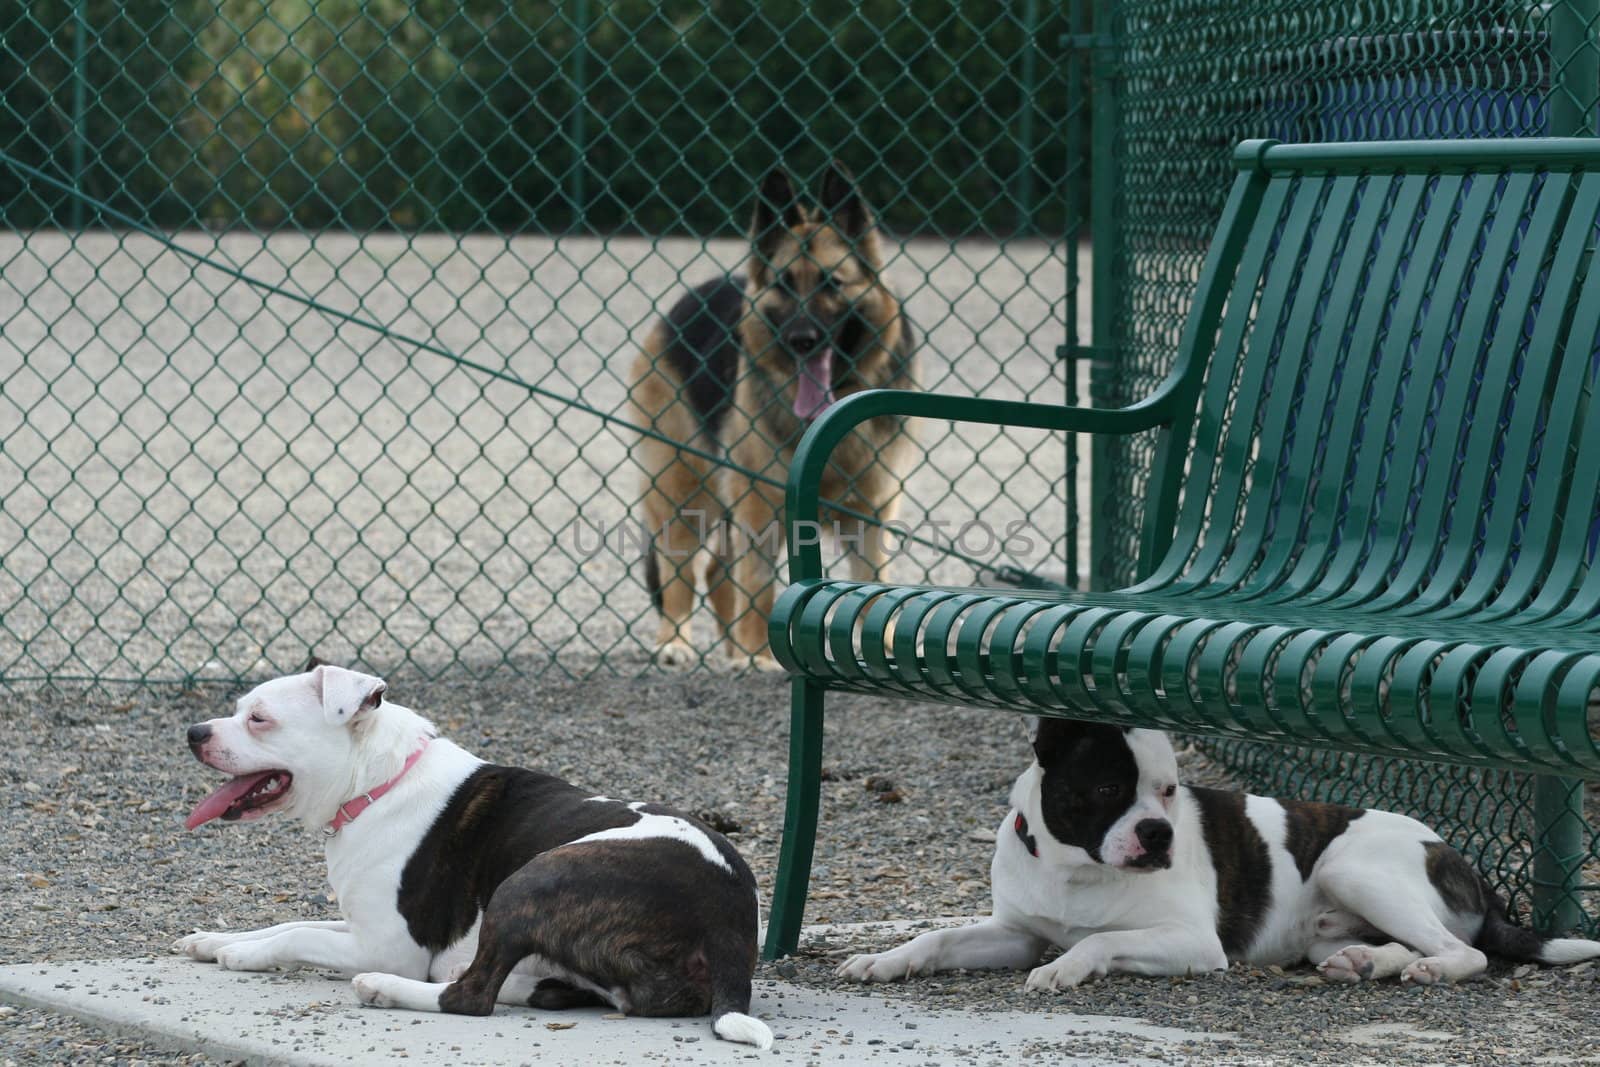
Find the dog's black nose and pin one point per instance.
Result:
(199, 734)
(1154, 834)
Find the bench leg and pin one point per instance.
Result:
(1558, 853)
(799, 820)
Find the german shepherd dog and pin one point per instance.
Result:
(738, 368)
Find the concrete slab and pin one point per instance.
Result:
(308, 1019)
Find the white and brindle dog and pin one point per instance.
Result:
(463, 882)
(1106, 856)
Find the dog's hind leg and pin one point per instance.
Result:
(1401, 907)
(486, 981)
(541, 923)
(677, 496)
(1354, 963)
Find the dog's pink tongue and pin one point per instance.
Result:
(815, 390)
(217, 803)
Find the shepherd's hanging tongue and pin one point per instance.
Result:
(814, 391)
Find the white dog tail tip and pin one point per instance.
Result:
(745, 1029)
(1560, 950)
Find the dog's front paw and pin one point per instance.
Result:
(761, 663)
(246, 956)
(676, 655)
(1064, 972)
(373, 988)
(876, 967)
(201, 945)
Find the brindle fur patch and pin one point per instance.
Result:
(1243, 865)
(647, 918)
(1459, 884)
(1312, 827)
(583, 907)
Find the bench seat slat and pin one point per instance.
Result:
(1540, 426)
(1467, 396)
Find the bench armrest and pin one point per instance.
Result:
(802, 495)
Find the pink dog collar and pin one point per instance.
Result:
(356, 805)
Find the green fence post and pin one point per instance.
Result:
(1072, 191)
(578, 133)
(1024, 189)
(80, 95)
(1105, 241)
(1574, 67)
(1558, 822)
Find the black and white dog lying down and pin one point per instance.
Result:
(1105, 855)
(463, 882)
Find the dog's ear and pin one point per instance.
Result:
(313, 663)
(1056, 737)
(847, 211)
(777, 212)
(347, 696)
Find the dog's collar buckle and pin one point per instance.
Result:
(350, 809)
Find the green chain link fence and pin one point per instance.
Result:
(316, 315)
(1176, 84)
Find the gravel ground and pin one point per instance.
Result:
(96, 788)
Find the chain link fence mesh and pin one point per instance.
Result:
(203, 476)
(1182, 81)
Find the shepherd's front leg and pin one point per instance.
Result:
(757, 542)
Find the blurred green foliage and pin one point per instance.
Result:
(632, 115)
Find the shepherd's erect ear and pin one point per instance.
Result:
(843, 204)
(777, 211)
(347, 696)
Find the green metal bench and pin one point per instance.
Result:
(1373, 508)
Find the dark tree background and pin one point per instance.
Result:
(630, 115)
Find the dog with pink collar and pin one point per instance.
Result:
(463, 883)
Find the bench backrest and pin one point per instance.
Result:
(1393, 352)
